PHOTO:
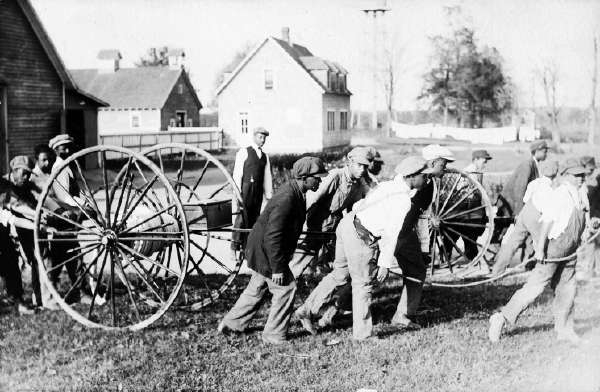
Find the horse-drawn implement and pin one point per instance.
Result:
(152, 230)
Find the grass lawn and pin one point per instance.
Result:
(182, 351)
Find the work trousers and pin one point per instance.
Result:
(58, 253)
(354, 259)
(526, 228)
(9, 265)
(26, 240)
(561, 277)
(250, 300)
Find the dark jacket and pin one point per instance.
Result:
(275, 234)
(515, 187)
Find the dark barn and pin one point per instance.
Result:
(38, 97)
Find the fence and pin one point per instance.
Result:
(207, 138)
(482, 135)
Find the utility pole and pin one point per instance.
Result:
(374, 15)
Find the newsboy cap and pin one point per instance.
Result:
(21, 162)
(481, 154)
(360, 155)
(435, 151)
(538, 145)
(572, 166)
(308, 167)
(588, 160)
(261, 130)
(59, 140)
(412, 165)
(375, 155)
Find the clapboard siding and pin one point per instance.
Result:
(34, 88)
(176, 101)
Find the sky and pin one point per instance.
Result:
(527, 33)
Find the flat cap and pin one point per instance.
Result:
(260, 130)
(360, 155)
(538, 145)
(572, 166)
(308, 167)
(481, 154)
(59, 140)
(374, 154)
(549, 168)
(21, 162)
(587, 160)
(435, 151)
(412, 165)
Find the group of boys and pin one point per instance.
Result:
(20, 190)
(378, 228)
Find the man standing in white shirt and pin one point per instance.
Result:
(556, 234)
(252, 175)
(365, 240)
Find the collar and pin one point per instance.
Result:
(348, 176)
(402, 186)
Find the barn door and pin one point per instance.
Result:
(3, 129)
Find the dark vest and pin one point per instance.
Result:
(253, 178)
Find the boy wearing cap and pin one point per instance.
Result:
(518, 237)
(556, 234)
(269, 249)
(527, 171)
(65, 187)
(44, 159)
(252, 175)
(375, 166)
(337, 193)
(366, 240)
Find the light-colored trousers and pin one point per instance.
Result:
(354, 259)
(561, 277)
(249, 303)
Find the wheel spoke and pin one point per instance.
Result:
(449, 194)
(63, 263)
(79, 206)
(207, 253)
(121, 185)
(82, 276)
(447, 256)
(180, 173)
(147, 259)
(198, 181)
(99, 281)
(112, 288)
(50, 240)
(433, 250)
(138, 224)
(438, 182)
(91, 195)
(465, 224)
(139, 198)
(463, 212)
(455, 245)
(463, 198)
(108, 201)
(143, 176)
(464, 237)
(142, 276)
(123, 277)
(219, 189)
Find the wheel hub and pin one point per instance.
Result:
(109, 237)
(435, 222)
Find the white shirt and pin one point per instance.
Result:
(65, 178)
(382, 212)
(559, 208)
(538, 192)
(238, 170)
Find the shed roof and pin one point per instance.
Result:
(132, 88)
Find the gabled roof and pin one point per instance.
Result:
(133, 88)
(301, 55)
(51, 52)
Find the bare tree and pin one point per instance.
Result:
(549, 79)
(389, 76)
(593, 112)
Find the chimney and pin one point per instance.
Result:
(285, 35)
(176, 58)
(109, 60)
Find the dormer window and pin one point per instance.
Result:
(342, 82)
(268, 79)
(332, 81)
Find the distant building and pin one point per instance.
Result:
(143, 98)
(38, 97)
(301, 99)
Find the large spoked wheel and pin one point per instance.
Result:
(102, 236)
(461, 226)
(212, 202)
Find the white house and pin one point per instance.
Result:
(141, 99)
(301, 99)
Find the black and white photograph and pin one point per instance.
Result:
(299, 195)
